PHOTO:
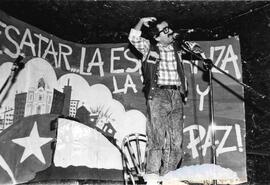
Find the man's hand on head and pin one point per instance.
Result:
(145, 21)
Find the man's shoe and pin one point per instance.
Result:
(152, 179)
(154, 182)
(174, 182)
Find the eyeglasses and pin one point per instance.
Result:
(164, 30)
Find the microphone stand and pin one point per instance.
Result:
(18, 65)
(208, 65)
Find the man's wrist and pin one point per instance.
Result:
(140, 20)
(139, 25)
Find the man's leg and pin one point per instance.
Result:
(172, 151)
(156, 129)
(176, 131)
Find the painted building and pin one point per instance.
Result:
(104, 125)
(58, 102)
(19, 106)
(73, 107)
(83, 115)
(8, 117)
(67, 91)
(39, 99)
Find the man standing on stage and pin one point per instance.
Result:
(165, 88)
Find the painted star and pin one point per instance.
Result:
(32, 144)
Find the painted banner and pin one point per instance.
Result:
(95, 91)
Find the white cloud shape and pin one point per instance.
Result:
(99, 96)
(34, 69)
(80, 87)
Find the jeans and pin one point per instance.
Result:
(164, 130)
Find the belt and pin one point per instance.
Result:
(174, 87)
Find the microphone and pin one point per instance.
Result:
(180, 42)
(18, 63)
(187, 45)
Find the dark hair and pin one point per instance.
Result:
(153, 31)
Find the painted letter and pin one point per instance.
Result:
(194, 141)
(230, 56)
(129, 83)
(83, 51)
(202, 95)
(208, 141)
(52, 51)
(27, 35)
(40, 38)
(212, 51)
(7, 51)
(113, 58)
(69, 52)
(116, 90)
(99, 63)
(136, 61)
(221, 149)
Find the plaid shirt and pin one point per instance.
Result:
(167, 73)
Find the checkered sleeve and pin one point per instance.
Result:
(140, 43)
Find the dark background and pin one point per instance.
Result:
(89, 22)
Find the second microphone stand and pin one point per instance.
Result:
(208, 65)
